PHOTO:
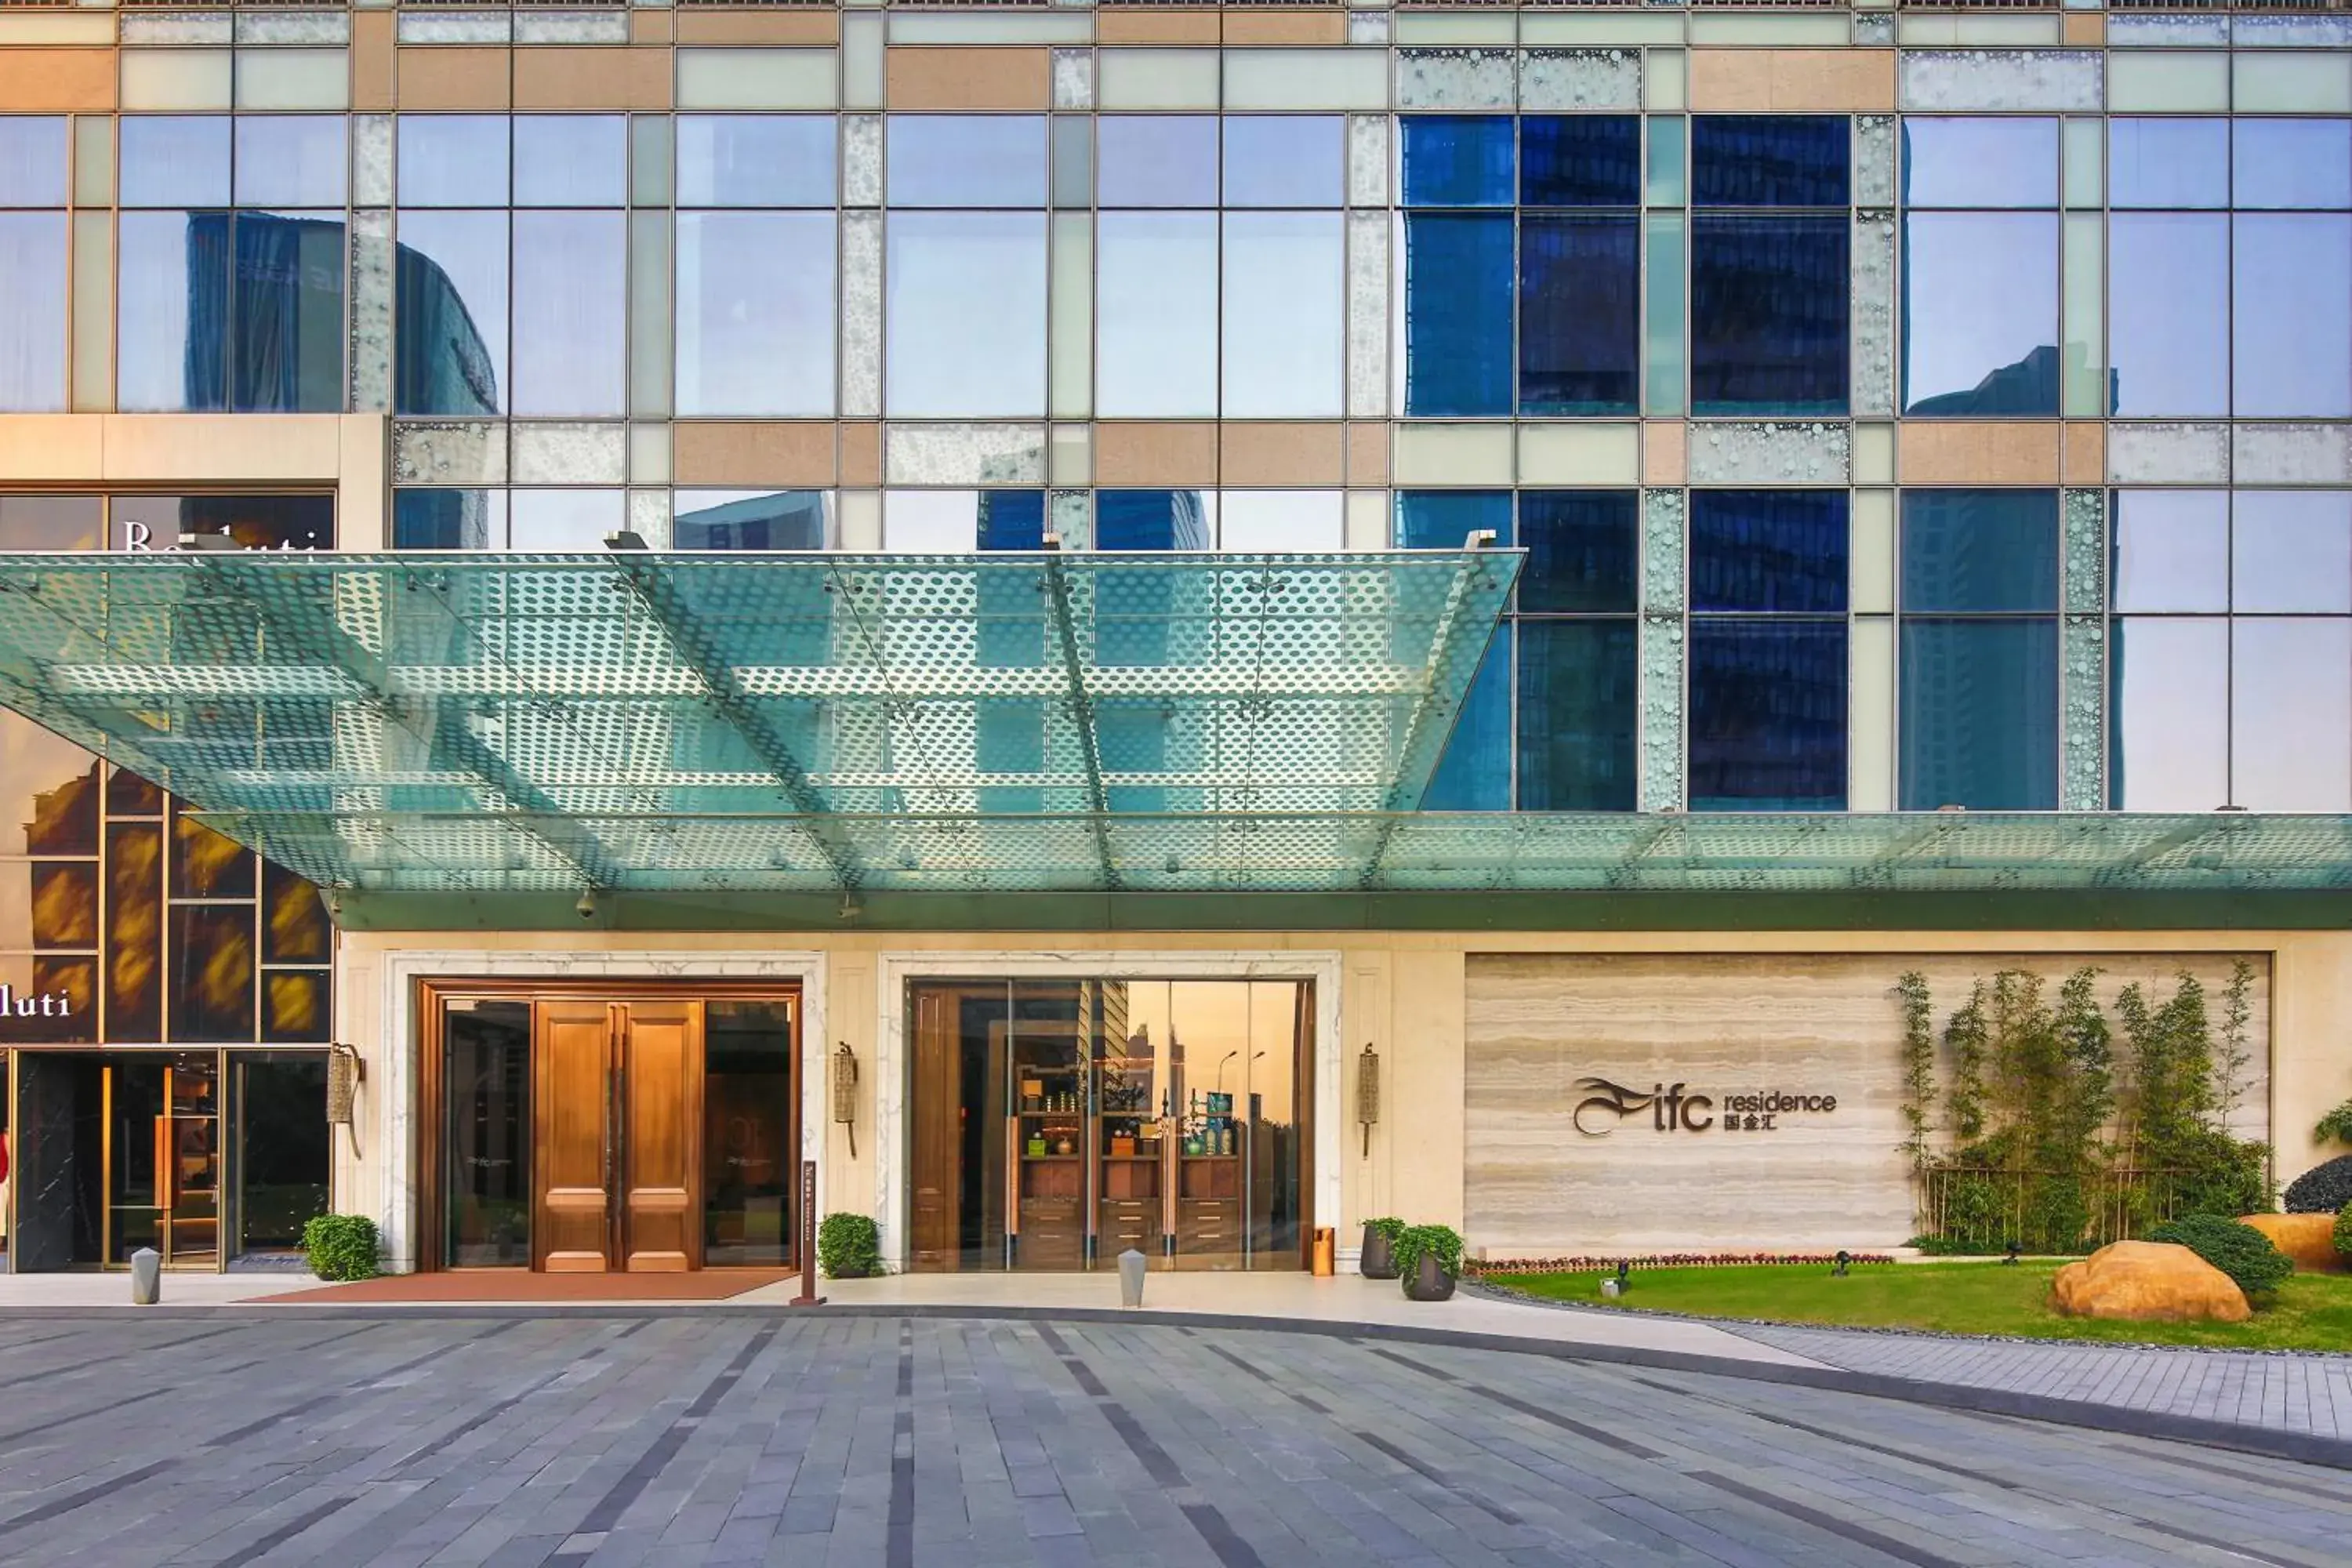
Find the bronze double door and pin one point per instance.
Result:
(616, 1097)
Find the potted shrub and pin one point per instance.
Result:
(1378, 1259)
(1428, 1261)
(342, 1247)
(849, 1247)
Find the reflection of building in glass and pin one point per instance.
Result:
(443, 366)
(264, 313)
(786, 520)
(2028, 386)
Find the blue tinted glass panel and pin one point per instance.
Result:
(1768, 715)
(1580, 313)
(756, 159)
(1577, 715)
(450, 288)
(1285, 160)
(967, 160)
(1981, 314)
(453, 159)
(172, 307)
(449, 519)
(1442, 520)
(1013, 519)
(571, 160)
(2170, 551)
(175, 160)
(1581, 161)
(1581, 552)
(749, 520)
(33, 312)
(1767, 550)
(290, 161)
(284, 329)
(1979, 162)
(1150, 520)
(2292, 163)
(2290, 552)
(2169, 313)
(1457, 313)
(1768, 314)
(32, 161)
(1980, 551)
(2292, 316)
(1474, 772)
(1980, 714)
(1157, 160)
(2168, 162)
(1769, 160)
(1457, 160)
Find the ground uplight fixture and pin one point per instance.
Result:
(1843, 1258)
(2014, 1249)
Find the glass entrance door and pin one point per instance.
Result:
(1055, 1124)
(162, 1158)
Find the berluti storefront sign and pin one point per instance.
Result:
(15, 1004)
(1717, 1102)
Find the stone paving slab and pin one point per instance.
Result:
(903, 1442)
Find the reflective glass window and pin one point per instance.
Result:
(930, 523)
(967, 160)
(1577, 713)
(449, 519)
(172, 310)
(1980, 713)
(32, 168)
(756, 159)
(571, 160)
(453, 159)
(1012, 519)
(1156, 159)
(1769, 160)
(756, 324)
(451, 313)
(2169, 313)
(2290, 552)
(1580, 313)
(1980, 313)
(564, 520)
(174, 161)
(2292, 163)
(1780, 551)
(1456, 160)
(2291, 714)
(1980, 160)
(1280, 521)
(2291, 318)
(2171, 551)
(1768, 714)
(1769, 313)
(570, 322)
(750, 519)
(966, 323)
(1156, 314)
(2167, 163)
(1581, 547)
(1074, 160)
(290, 161)
(1474, 772)
(1155, 520)
(2169, 723)
(1458, 312)
(1581, 161)
(1974, 551)
(1285, 160)
(33, 312)
(1285, 330)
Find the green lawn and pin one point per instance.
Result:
(2312, 1311)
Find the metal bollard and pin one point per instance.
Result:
(146, 1276)
(1130, 1278)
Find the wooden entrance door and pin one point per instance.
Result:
(618, 1100)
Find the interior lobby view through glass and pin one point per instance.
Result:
(1058, 1123)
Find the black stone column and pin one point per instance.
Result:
(47, 1162)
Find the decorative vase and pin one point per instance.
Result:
(1377, 1260)
(1429, 1281)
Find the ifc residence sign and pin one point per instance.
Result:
(1671, 1109)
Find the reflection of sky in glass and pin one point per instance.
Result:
(2169, 312)
(1980, 294)
(32, 161)
(756, 159)
(2172, 550)
(966, 328)
(453, 159)
(571, 160)
(2291, 714)
(1283, 160)
(2291, 293)
(564, 520)
(755, 313)
(1285, 320)
(470, 249)
(291, 160)
(151, 308)
(967, 160)
(1156, 159)
(571, 316)
(1979, 162)
(2171, 714)
(930, 523)
(1280, 521)
(33, 316)
(2292, 552)
(174, 161)
(2168, 162)
(1156, 314)
(2292, 163)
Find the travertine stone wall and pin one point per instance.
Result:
(1726, 1025)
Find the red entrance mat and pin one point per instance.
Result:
(515, 1285)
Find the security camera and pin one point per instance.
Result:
(586, 906)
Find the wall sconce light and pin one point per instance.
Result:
(845, 1093)
(345, 1073)
(1368, 1094)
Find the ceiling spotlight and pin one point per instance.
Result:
(586, 907)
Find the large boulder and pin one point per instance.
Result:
(2148, 1282)
(2309, 1239)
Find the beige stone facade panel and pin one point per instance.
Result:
(1835, 81)
(40, 448)
(953, 78)
(758, 28)
(1154, 26)
(2085, 32)
(373, 84)
(1666, 452)
(2083, 454)
(1956, 452)
(456, 78)
(1284, 27)
(56, 82)
(861, 453)
(648, 26)
(1154, 453)
(751, 452)
(591, 78)
(1281, 454)
(1368, 454)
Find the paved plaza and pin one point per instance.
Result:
(597, 1440)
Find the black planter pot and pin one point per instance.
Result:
(1429, 1281)
(1377, 1260)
